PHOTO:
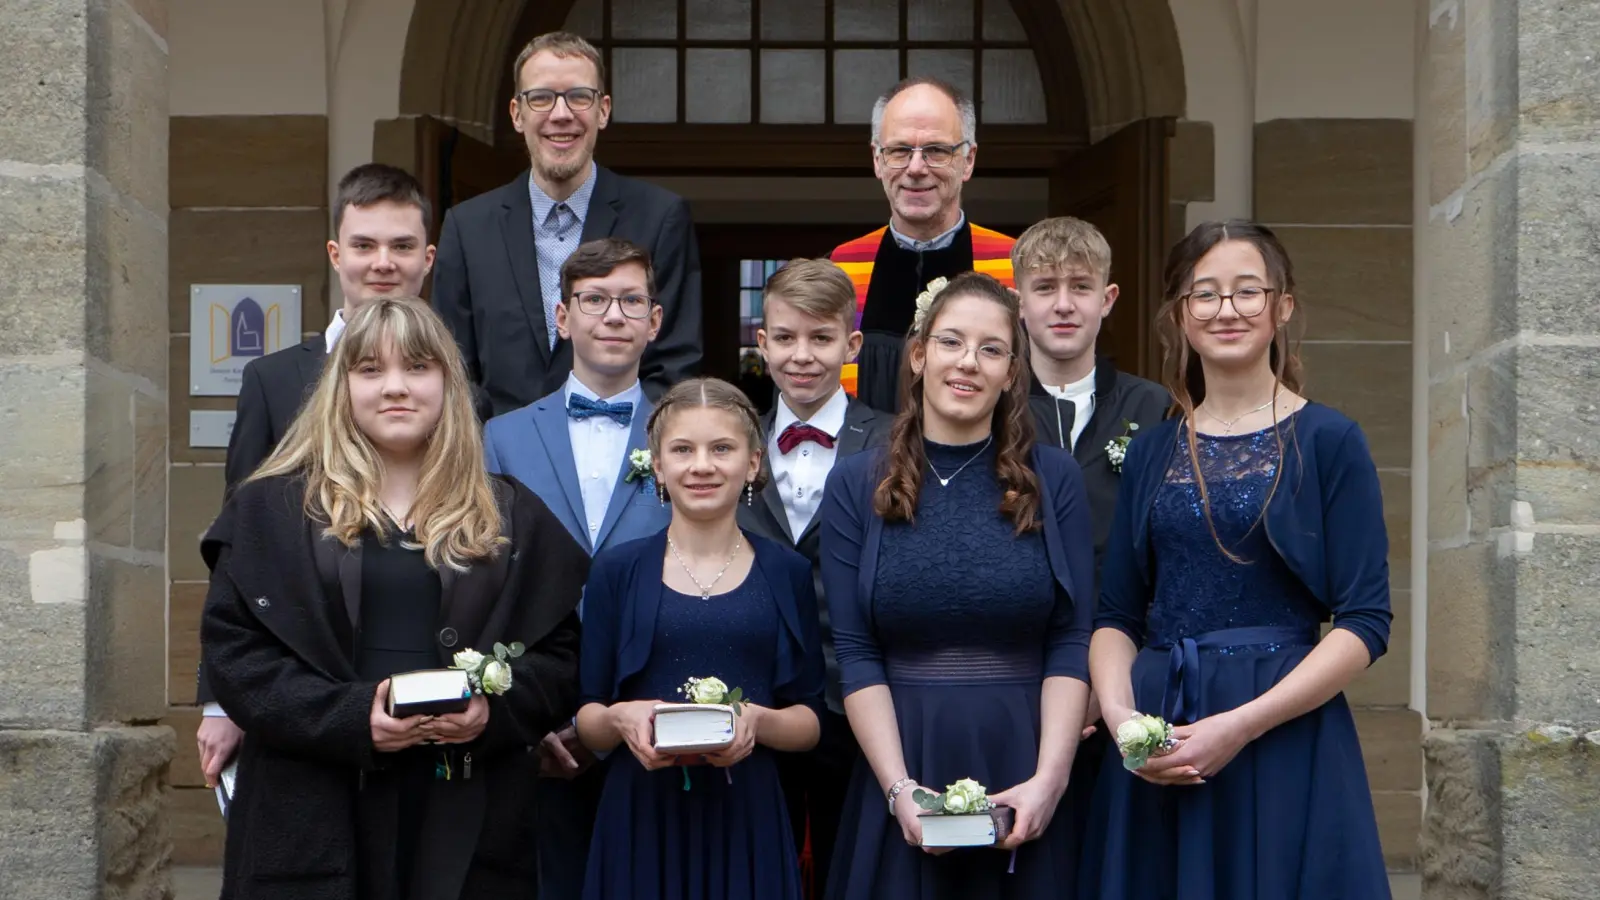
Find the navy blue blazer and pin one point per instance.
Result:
(1325, 520)
(852, 534)
(533, 445)
(624, 594)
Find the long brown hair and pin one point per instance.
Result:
(456, 517)
(1181, 371)
(900, 490)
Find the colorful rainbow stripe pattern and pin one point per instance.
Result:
(991, 254)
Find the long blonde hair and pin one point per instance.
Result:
(456, 518)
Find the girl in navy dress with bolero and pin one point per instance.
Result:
(1242, 526)
(701, 599)
(957, 563)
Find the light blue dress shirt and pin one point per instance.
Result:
(557, 231)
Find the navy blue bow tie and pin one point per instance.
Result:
(580, 407)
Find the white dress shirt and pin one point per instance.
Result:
(801, 473)
(1081, 393)
(335, 328)
(599, 446)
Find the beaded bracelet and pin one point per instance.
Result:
(896, 788)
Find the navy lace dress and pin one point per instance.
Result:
(1291, 815)
(963, 611)
(700, 832)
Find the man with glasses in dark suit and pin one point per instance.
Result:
(497, 282)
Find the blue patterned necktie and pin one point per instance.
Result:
(580, 407)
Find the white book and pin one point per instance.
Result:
(693, 727)
(983, 829)
(429, 692)
(230, 776)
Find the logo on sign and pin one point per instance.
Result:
(245, 331)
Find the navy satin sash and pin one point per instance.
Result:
(1180, 702)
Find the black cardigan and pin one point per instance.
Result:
(277, 636)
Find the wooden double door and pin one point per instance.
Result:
(1118, 184)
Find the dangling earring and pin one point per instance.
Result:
(749, 493)
(661, 493)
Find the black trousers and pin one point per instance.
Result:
(814, 785)
(565, 811)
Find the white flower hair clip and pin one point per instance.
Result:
(925, 302)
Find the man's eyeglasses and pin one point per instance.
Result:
(1248, 302)
(935, 156)
(543, 100)
(595, 303)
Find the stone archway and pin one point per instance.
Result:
(1129, 63)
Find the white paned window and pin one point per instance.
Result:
(644, 84)
(939, 20)
(717, 85)
(792, 86)
(808, 69)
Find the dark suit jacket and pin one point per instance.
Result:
(1119, 398)
(486, 287)
(624, 594)
(864, 428)
(278, 630)
(274, 388)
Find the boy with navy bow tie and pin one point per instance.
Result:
(808, 334)
(574, 449)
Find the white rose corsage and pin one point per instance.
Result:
(925, 301)
(965, 797)
(488, 674)
(1142, 737)
(712, 690)
(1117, 447)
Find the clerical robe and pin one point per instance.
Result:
(888, 277)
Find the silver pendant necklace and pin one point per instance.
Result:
(945, 482)
(1227, 424)
(705, 589)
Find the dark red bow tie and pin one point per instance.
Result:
(798, 433)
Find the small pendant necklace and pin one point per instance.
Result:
(705, 589)
(1227, 424)
(945, 482)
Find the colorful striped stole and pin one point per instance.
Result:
(991, 255)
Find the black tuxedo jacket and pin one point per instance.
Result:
(274, 388)
(864, 428)
(486, 287)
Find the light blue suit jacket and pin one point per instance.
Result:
(533, 445)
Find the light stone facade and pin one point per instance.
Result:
(1439, 204)
(83, 450)
(1508, 247)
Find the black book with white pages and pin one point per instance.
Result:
(983, 829)
(225, 785)
(429, 692)
(693, 727)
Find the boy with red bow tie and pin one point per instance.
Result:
(808, 334)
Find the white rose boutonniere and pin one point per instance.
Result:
(1117, 447)
(712, 690)
(641, 468)
(1142, 737)
(965, 797)
(925, 301)
(488, 674)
